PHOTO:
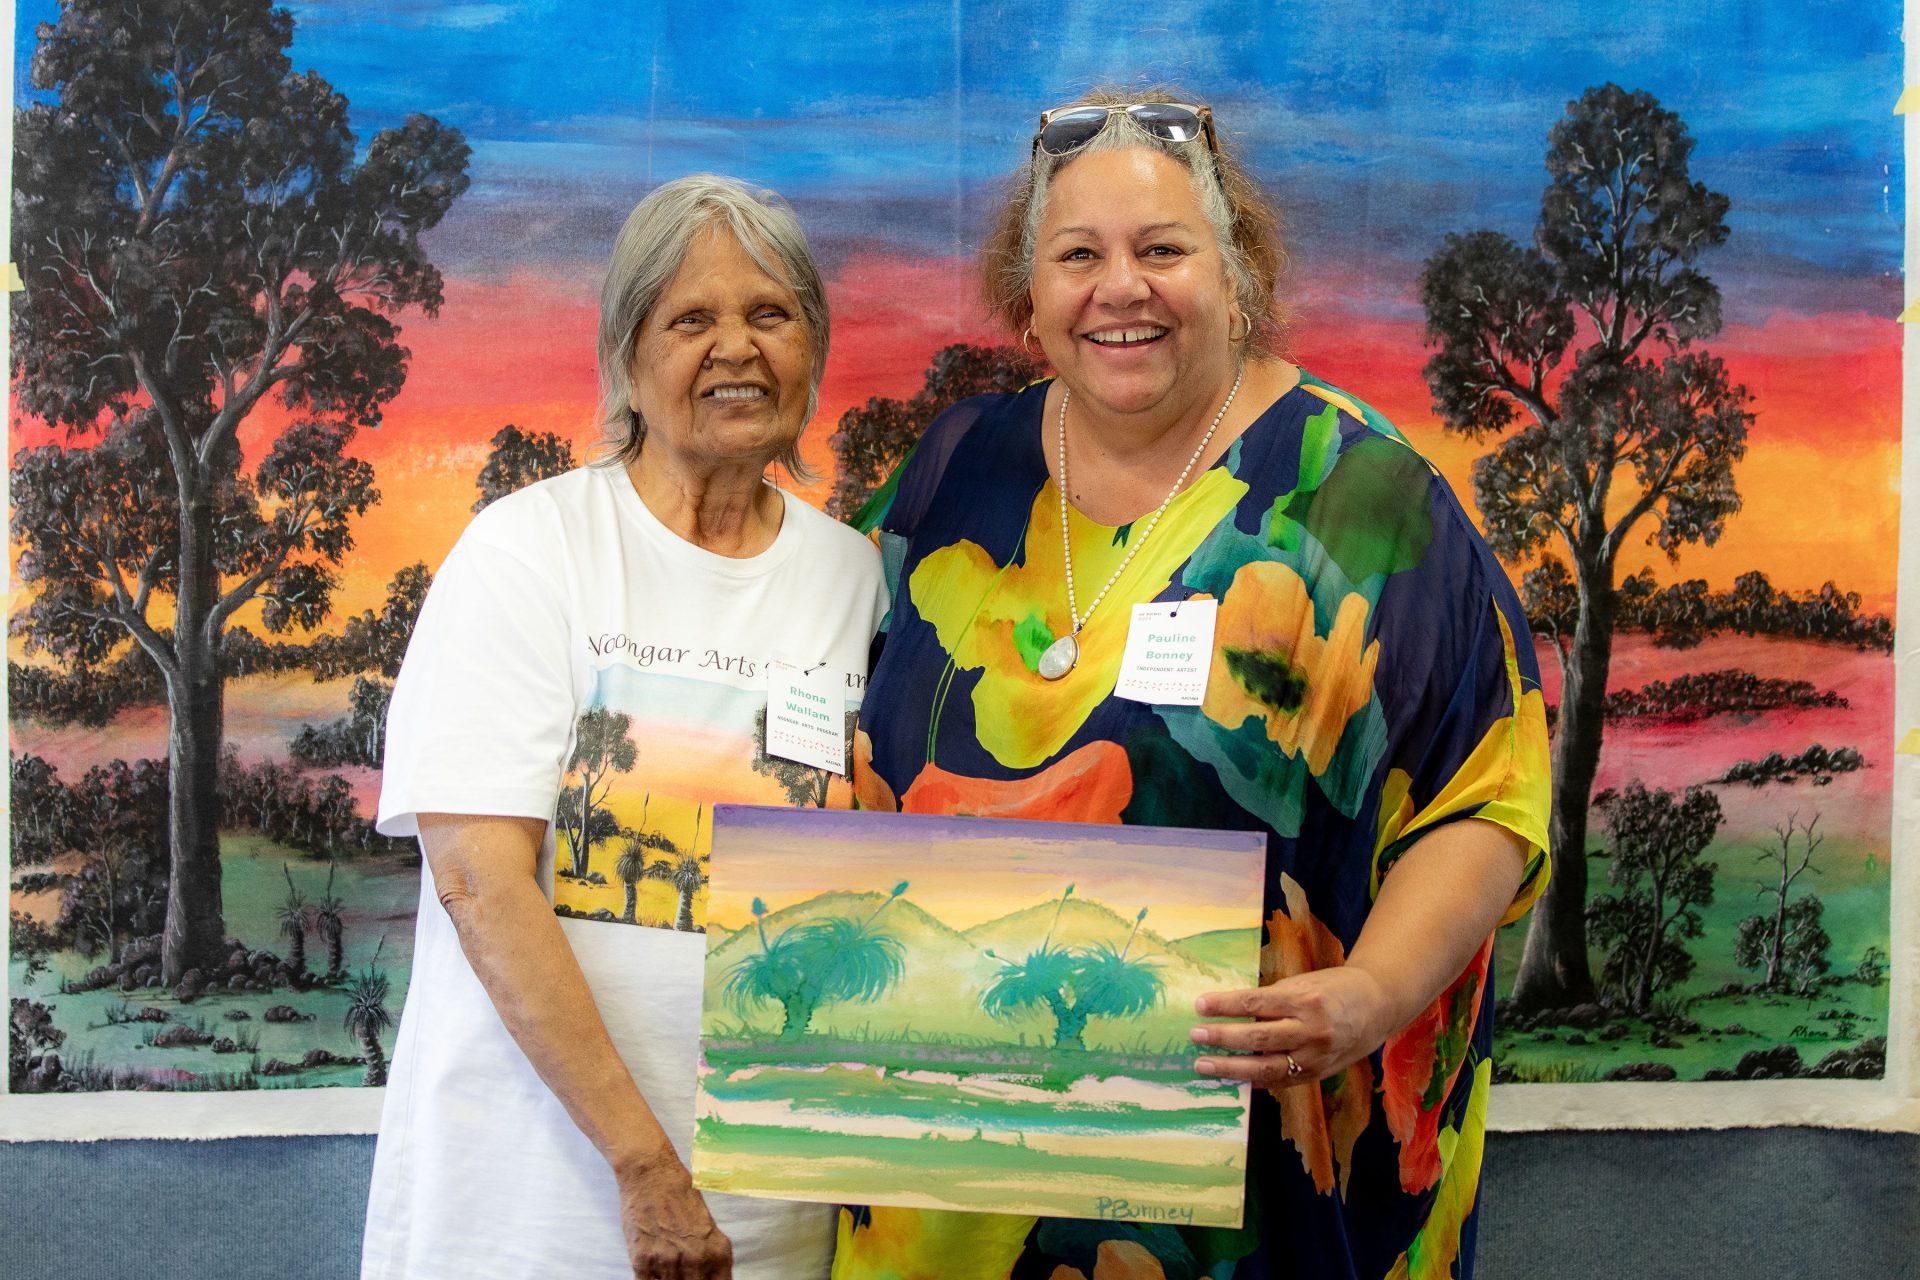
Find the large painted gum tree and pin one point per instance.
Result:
(1578, 355)
(200, 237)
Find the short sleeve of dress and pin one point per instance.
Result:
(1460, 689)
(482, 711)
(893, 514)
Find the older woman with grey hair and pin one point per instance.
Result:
(587, 679)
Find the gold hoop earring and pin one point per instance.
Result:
(1244, 334)
(1026, 344)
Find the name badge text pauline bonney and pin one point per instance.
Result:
(1169, 652)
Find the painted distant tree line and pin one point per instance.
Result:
(875, 437)
(1682, 614)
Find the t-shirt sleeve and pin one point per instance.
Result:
(1467, 725)
(482, 711)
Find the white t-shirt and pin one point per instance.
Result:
(566, 600)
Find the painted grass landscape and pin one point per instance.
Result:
(1724, 1002)
(997, 1027)
(281, 1028)
(318, 912)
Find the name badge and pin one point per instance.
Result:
(1169, 653)
(806, 716)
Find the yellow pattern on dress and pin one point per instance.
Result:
(1267, 611)
(928, 1244)
(977, 608)
(1434, 1251)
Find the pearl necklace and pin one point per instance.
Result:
(1063, 654)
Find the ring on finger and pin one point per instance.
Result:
(1294, 1069)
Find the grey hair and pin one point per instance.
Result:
(651, 248)
(1245, 226)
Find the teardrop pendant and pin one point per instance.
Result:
(1059, 658)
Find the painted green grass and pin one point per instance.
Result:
(379, 893)
(846, 1091)
(1855, 887)
(1730, 1027)
(979, 1172)
(1029, 1063)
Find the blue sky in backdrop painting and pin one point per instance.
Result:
(1380, 128)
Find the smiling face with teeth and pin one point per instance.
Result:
(722, 365)
(1131, 298)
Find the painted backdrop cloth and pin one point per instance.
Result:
(573, 641)
(1371, 678)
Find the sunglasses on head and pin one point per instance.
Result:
(1065, 130)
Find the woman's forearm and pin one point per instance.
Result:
(483, 874)
(1437, 906)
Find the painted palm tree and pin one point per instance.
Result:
(632, 863)
(771, 973)
(1112, 986)
(329, 920)
(1043, 980)
(1074, 984)
(367, 1017)
(827, 961)
(294, 917)
(631, 866)
(686, 874)
(683, 921)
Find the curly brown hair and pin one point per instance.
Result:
(1246, 225)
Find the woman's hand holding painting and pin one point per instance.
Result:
(1435, 909)
(1301, 1029)
(670, 1233)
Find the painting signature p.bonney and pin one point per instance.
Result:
(1138, 1211)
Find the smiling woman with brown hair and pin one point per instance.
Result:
(596, 644)
(1363, 690)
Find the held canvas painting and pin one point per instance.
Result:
(967, 1013)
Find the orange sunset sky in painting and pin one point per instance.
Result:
(1820, 483)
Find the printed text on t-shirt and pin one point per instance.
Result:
(682, 658)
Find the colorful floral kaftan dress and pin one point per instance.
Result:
(1371, 678)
